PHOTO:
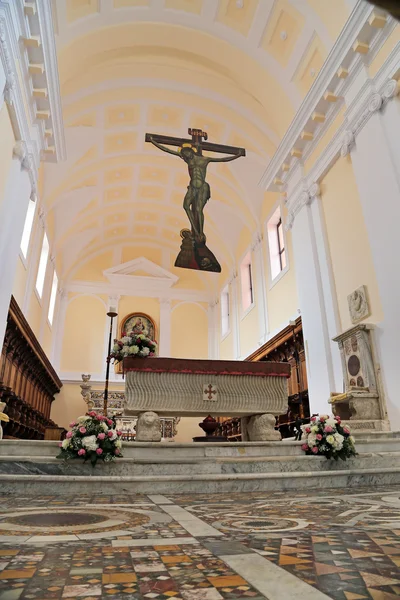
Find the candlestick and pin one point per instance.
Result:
(111, 313)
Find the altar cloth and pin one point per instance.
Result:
(172, 386)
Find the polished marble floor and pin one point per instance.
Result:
(279, 546)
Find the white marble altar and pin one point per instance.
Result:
(257, 392)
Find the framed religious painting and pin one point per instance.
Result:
(138, 323)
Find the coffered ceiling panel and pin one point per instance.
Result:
(237, 15)
(122, 116)
(118, 175)
(120, 142)
(78, 9)
(283, 31)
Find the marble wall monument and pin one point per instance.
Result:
(362, 401)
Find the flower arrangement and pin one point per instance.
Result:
(132, 344)
(92, 437)
(326, 436)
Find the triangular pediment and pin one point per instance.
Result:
(141, 271)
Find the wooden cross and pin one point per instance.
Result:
(198, 135)
(210, 391)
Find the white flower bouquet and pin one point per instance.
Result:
(132, 344)
(326, 436)
(92, 437)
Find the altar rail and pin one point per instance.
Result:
(28, 381)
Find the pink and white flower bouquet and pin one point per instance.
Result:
(132, 344)
(92, 437)
(326, 436)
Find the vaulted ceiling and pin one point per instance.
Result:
(238, 69)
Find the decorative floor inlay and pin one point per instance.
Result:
(57, 519)
(275, 546)
(89, 521)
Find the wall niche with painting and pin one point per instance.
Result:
(138, 323)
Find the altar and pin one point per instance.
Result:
(254, 391)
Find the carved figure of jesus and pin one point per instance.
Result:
(198, 191)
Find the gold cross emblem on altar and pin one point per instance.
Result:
(210, 392)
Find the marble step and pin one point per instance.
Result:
(207, 483)
(154, 450)
(125, 467)
(166, 450)
(376, 435)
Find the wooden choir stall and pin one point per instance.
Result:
(28, 382)
(287, 346)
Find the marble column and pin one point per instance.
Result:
(375, 155)
(13, 208)
(324, 372)
(213, 329)
(58, 327)
(260, 286)
(327, 281)
(164, 347)
(235, 300)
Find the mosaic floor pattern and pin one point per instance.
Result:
(278, 546)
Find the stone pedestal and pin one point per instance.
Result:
(148, 427)
(260, 428)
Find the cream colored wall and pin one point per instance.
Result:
(226, 346)
(93, 269)
(47, 337)
(35, 314)
(68, 405)
(249, 331)
(84, 335)
(189, 331)
(132, 252)
(348, 241)
(282, 298)
(188, 428)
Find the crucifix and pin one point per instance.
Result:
(194, 253)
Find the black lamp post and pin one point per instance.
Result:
(112, 313)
